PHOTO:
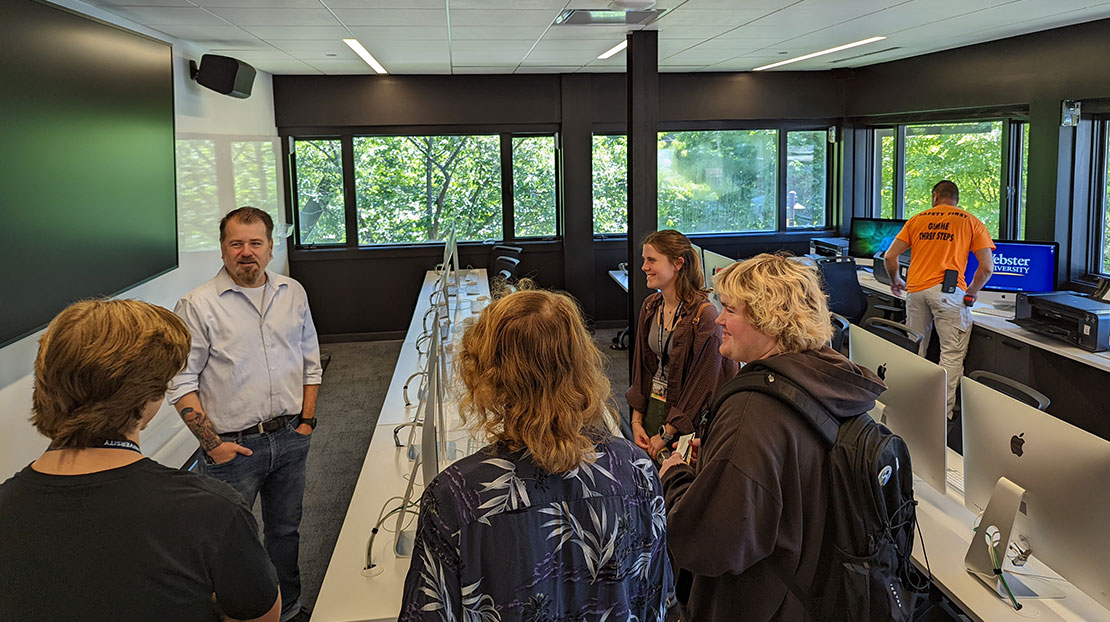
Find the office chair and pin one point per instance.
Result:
(1013, 388)
(505, 267)
(502, 250)
(846, 297)
(840, 332)
(898, 334)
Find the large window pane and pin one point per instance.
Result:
(969, 154)
(412, 189)
(806, 173)
(534, 186)
(198, 203)
(610, 184)
(884, 175)
(256, 184)
(718, 181)
(319, 185)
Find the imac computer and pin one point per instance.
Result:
(872, 235)
(712, 263)
(1064, 473)
(915, 402)
(1019, 267)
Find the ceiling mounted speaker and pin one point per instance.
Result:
(224, 74)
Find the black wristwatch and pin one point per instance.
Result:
(667, 438)
(310, 422)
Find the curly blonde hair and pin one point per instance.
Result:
(534, 379)
(100, 362)
(783, 298)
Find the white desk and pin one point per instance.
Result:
(1002, 326)
(946, 532)
(346, 595)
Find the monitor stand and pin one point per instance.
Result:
(998, 522)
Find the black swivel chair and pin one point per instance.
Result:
(898, 334)
(840, 332)
(505, 267)
(1020, 392)
(502, 250)
(846, 296)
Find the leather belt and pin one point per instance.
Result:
(266, 427)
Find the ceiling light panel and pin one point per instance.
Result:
(364, 54)
(832, 50)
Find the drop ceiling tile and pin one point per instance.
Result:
(484, 69)
(392, 17)
(411, 51)
(371, 34)
(277, 17)
(295, 46)
(502, 19)
(298, 32)
(703, 18)
(549, 5)
(487, 33)
(575, 45)
(547, 69)
(486, 58)
(418, 67)
(671, 46)
(289, 66)
(200, 34)
(110, 4)
(602, 69)
(764, 5)
(798, 16)
(343, 67)
(707, 31)
(156, 16)
(607, 32)
(255, 4)
(384, 4)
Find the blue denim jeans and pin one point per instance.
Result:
(276, 470)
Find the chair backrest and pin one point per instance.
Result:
(846, 296)
(1013, 388)
(898, 334)
(502, 250)
(840, 331)
(506, 265)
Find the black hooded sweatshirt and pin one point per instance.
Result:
(758, 494)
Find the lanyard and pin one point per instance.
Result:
(109, 444)
(664, 348)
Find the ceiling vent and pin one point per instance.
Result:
(607, 17)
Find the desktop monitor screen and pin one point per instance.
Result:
(1064, 470)
(1028, 267)
(872, 235)
(915, 402)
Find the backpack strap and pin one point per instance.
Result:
(763, 380)
(697, 316)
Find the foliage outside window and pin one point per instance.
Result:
(969, 154)
(610, 184)
(255, 165)
(884, 160)
(1105, 245)
(412, 189)
(718, 181)
(319, 186)
(198, 202)
(534, 211)
(806, 178)
(1024, 180)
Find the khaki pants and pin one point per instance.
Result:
(952, 319)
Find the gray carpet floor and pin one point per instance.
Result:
(350, 400)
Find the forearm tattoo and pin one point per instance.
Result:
(201, 428)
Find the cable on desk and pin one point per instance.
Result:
(382, 516)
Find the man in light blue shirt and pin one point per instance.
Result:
(248, 391)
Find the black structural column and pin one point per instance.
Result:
(576, 173)
(643, 140)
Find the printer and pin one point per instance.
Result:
(1078, 320)
(828, 247)
(879, 267)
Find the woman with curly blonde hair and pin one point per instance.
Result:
(580, 510)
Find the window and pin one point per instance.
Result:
(412, 189)
(884, 171)
(969, 154)
(806, 178)
(1024, 180)
(254, 163)
(1104, 190)
(718, 181)
(534, 186)
(610, 184)
(319, 192)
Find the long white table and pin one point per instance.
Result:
(946, 532)
(347, 595)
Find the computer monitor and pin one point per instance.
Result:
(872, 235)
(915, 402)
(1020, 267)
(714, 263)
(1064, 470)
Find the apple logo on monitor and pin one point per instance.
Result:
(1015, 444)
(881, 371)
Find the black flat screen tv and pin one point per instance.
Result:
(87, 196)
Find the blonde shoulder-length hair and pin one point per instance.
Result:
(534, 379)
(783, 298)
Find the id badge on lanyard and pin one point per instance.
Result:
(659, 389)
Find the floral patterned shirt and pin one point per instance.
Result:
(501, 539)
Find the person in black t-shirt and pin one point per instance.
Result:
(92, 530)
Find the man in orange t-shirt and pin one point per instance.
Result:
(940, 240)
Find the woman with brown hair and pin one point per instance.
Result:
(676, 365)
(556, 518)
(95, 531)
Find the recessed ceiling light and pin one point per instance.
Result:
(821, 53)
(613, 50)
(364, 55)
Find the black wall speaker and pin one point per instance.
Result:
(224, 74)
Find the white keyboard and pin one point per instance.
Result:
(955, 480)
(1006, 312)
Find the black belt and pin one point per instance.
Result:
(266, 427)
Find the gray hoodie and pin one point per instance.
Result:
(758, 493)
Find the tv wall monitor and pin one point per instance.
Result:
(872, 235)
(915, 402)
(88, 206)
(1027, 267)
(1064, 470)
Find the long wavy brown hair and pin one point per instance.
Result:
(534, 379)
(674, 246)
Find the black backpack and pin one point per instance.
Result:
(865, 563)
